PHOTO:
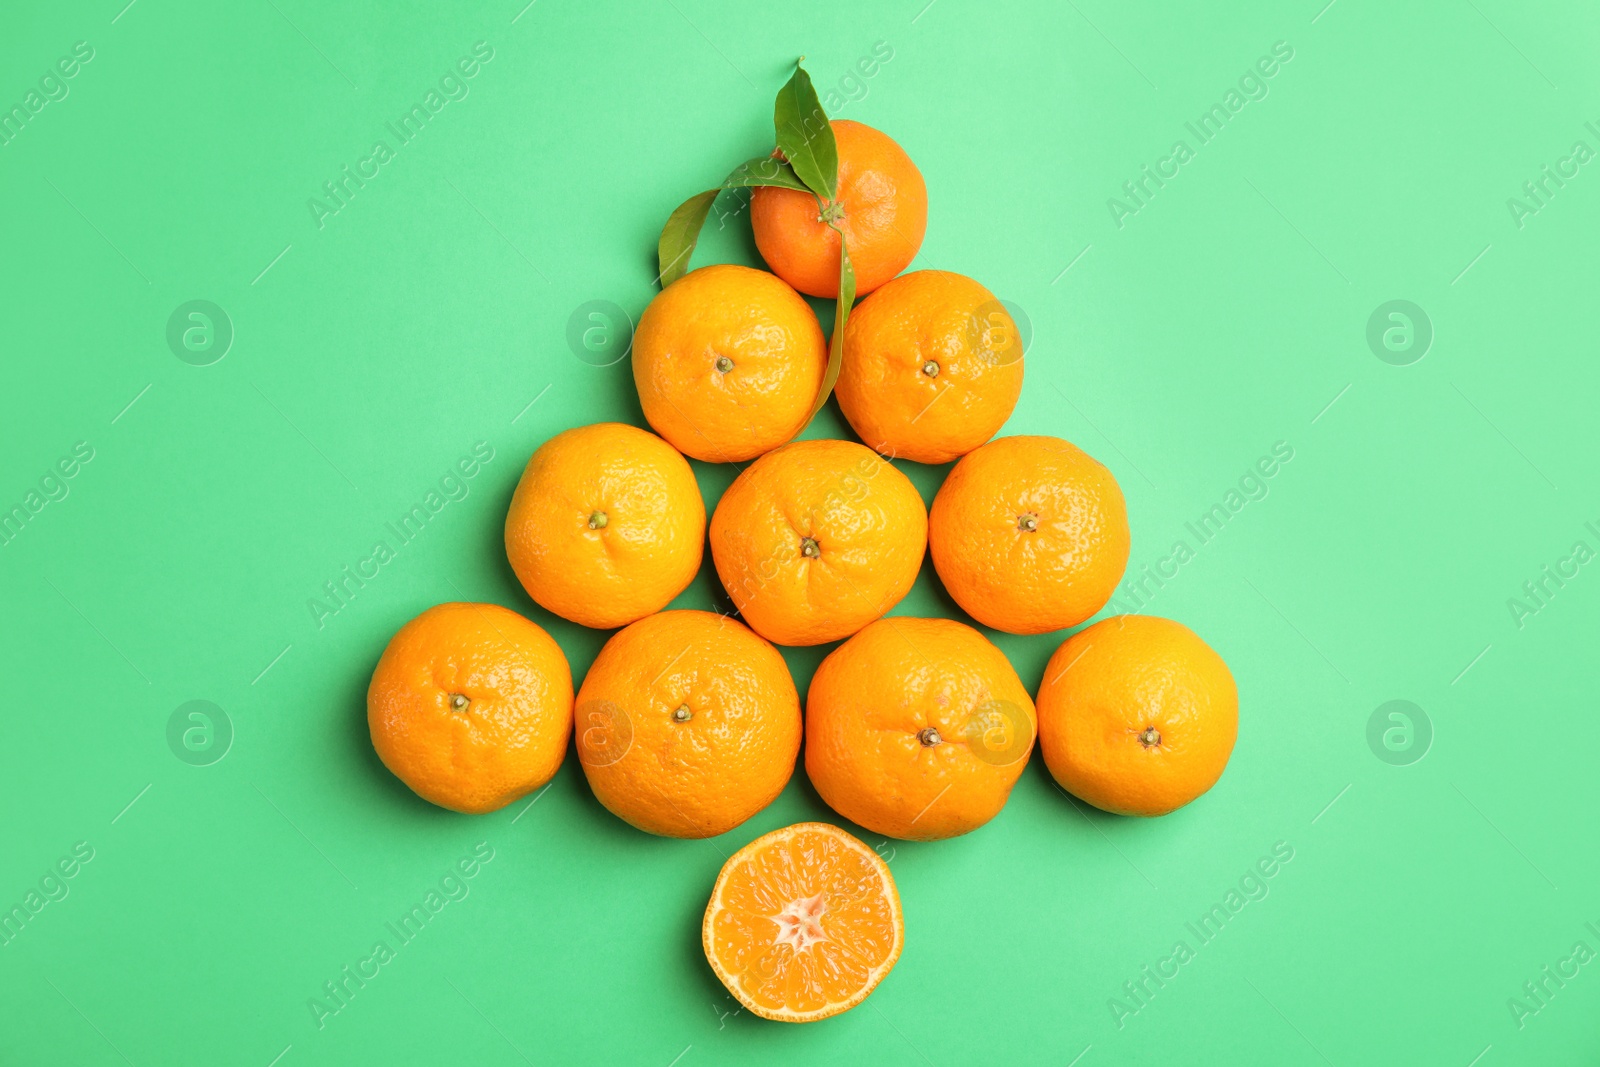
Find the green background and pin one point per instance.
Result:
(431, 312)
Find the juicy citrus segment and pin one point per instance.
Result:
(803, 923)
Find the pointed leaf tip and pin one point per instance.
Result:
(805, 136)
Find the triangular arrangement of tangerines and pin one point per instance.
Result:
(688, 723)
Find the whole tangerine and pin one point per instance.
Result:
(1137, 715)
(471, 706)
(606, 525)
(728, 362)
(917, 728)
(688, 724)
(816, 539)
(932, 367)
(1029, 534)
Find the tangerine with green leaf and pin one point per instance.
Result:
(879, 207)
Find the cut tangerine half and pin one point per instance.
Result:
(803, 923)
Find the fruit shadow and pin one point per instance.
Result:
(594, 821)
(826, 311)
(945, 606)
(1102, 822)
(492, 540)
(691, 921)
(622, 396)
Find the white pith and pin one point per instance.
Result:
(800, 923)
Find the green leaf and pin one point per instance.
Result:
(764, 170)
(682, 231)
(847, 296)
(681, 234)
(805, 136)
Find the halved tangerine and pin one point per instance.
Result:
(803, 923)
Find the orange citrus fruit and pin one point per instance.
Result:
(881, 205)
(471, 706)
(1029, 534)
(816, 539)
(803, 923)
(688, 724)
(728, 362)
(932, 367)
(917, 728)
(1137, 715)
(606, 526)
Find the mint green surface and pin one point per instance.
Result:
(1179, 343)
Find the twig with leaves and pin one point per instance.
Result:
(807, 160)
